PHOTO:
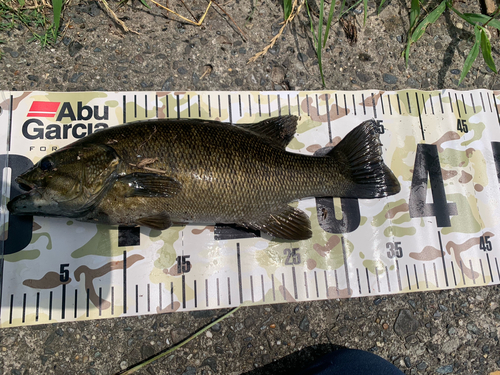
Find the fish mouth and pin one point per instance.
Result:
(25, 185)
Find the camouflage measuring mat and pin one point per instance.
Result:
(439, 232)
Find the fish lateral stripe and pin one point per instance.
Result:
(43, 109)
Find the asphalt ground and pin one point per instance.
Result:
(445, 332)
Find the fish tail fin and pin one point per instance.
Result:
(361, 151)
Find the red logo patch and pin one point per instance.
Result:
(43, 109)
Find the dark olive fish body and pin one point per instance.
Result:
(161, 172)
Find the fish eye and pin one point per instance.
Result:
(46, 165)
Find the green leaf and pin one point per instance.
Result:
(329, 23)
(380, 6)
(57, 9)
(145, 4)
(430, 18)
(320, 34)
(21, 2)
(414, 13)
(474, 18)
(365, 10)
(407, 52)
(472, 55)
(287, 8)
(486, 49)
(342, 8)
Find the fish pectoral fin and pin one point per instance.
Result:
(159, 222)
(278, 130)
(289, 224)
(150, 185)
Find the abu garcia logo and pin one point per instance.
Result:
(34, 128)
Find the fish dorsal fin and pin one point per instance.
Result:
(158, 222)
(288, 223)
(149, 185)
(278, 130)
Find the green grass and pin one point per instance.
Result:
(418, 25)
(22, 12)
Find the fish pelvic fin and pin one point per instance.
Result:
(361, 151)
(158, 222)
(288, 223)
(149, 185)
(278, 130)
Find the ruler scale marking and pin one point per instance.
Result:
(24, 308)
(368, 281)
(425, 276)
(63, 302)
(218, 292)
(489, 267)
(416, 275)
(135, 106)
(251, 288)
(359, 282)
(442, 258)
(262, 285)
(462, 269)
(419, 116)
(435, 274)
(458, 106)
(400, 285)
(453, 271)
(336, 282)
(305, 285)
(50, 305)
(472, 271)
(75, 304)
(408, 277)
(316, 282)
(388, 277)
(124, 282)
(328, 118)
(240, 284)
(482, 271)
(272, 285)
(294, 280)
(326, 285)
(498, 270)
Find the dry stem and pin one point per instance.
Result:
(288, 20)
(115, 18)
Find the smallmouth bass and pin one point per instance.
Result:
(158, 173)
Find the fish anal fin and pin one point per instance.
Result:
(158, 222)
(288, 223)
(150, 185)
(278, 130)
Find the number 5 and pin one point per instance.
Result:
(63, 273)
